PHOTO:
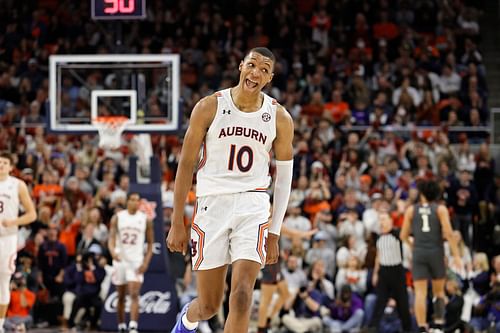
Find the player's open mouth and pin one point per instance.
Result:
(251, 84)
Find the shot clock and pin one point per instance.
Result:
(118, 9)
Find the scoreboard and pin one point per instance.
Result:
(118, 9)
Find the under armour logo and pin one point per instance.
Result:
(194, 250)
(226, 111)
(204, 208)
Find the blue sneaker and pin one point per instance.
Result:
(179, 326)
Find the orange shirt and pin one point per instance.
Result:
(48, 189)
(397, 219)
(313, 207)
(337, 110)
(15, 308)
(68, 235)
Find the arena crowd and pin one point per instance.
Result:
(377, 90)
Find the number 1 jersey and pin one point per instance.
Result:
(235, 155)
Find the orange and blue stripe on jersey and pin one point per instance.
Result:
(199, 246)
(259, 189)
(261, 241)
(204, 155)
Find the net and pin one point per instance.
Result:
(110, 130)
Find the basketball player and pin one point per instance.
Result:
(238, 128)
(128, 231)
(429, 223)
(13, 192)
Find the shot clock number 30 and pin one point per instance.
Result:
(118, 9)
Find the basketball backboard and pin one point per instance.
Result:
(143, 88)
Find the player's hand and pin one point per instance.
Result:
(142, 269)
(177, 239)
(374, 279)
(272, 249)
(115, 256)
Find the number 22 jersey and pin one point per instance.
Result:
(131, 234)
(235, 155)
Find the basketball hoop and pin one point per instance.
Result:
(110, 130)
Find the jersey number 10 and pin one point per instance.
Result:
(242, 166)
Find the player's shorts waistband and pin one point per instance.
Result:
(256, 190)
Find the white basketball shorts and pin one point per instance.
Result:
(8, 254)
(126, 271)
(229, 227)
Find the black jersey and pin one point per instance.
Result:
(426, 227)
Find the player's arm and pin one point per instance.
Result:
(444, 219)
(407, 221)
(149, 248)
(376, 269)
(283, 152)
(29, 208)
(112, 237)
(201, 118)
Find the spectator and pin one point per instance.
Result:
(69, 295)
(21, 302)
(87, 241)
(296, 221)
(347, 249)
(486, 314)
(454, 307)
(70, 228)
(349, 224)
(449, 81)
(463, 199)
(353, 275)
(306, 316)
(88, 283)
(52, 259)
(319, 251)
(346, 312)
(294, 275)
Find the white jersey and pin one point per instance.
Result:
(131, 234)
(236, 151)
(9, 203)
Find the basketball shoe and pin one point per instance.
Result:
(179, 326)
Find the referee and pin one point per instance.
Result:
(389, 275)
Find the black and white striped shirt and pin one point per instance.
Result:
(390, 249)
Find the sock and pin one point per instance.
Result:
(122, 326)
(132, 324)
(187, 324)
